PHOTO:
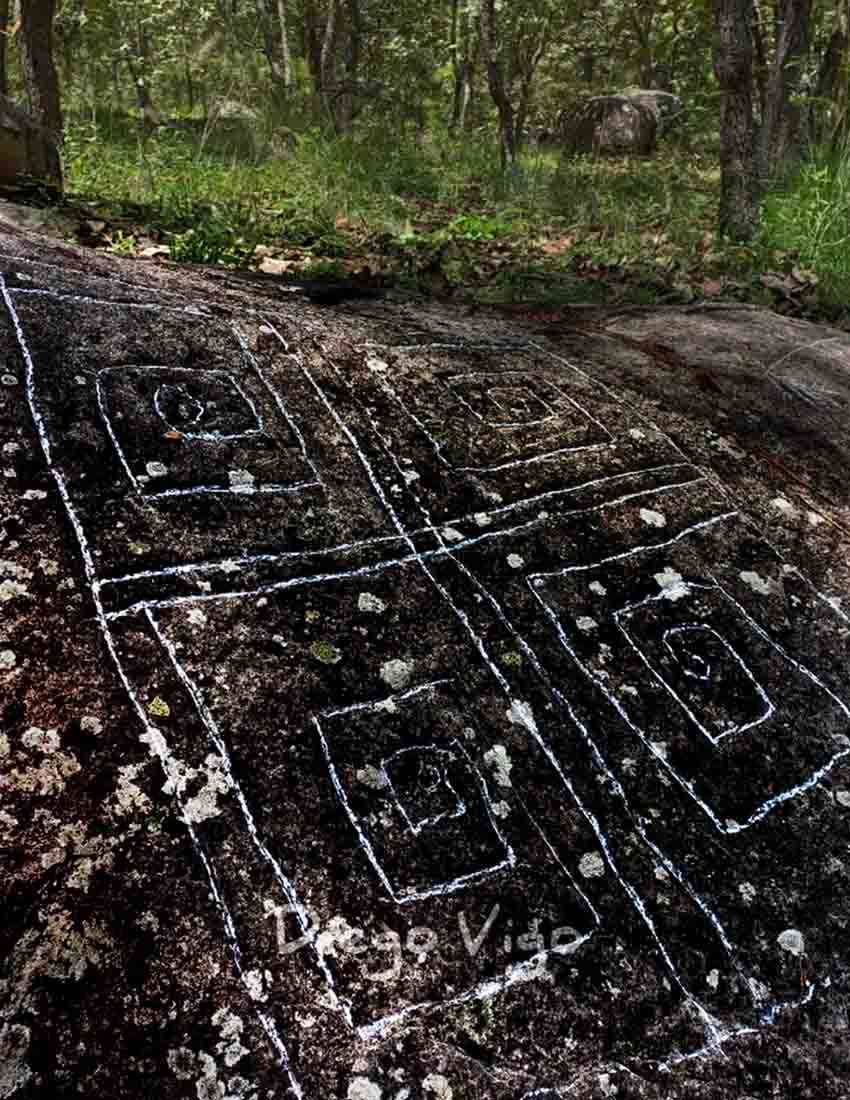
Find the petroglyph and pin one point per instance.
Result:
(456, 622)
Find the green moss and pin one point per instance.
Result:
(325, 652)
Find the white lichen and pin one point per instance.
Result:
(367, 602)
(672, 586)
(396, 673)
(591, 865)
(500, 763)
(756, 582)
(362, 1088)
(653, 518)
(438, 1086)
(792, 941)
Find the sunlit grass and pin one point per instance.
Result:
(376, 192)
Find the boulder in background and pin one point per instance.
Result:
(610, 124)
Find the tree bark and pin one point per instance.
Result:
(463, 63)
(4, 30)
(496, 83)
(285, 52)
(733, 67)
(266, 13)
(761, 59)
(40, 79)
(137, 63)
(527, 71)
(829, 92)
(345, 101)
(779, 136)
(327, 59)
(313, 53)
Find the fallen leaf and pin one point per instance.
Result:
(271, 266)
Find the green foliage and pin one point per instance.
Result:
(211, 242)
(641, 222)
(810, 215)
(123, 245)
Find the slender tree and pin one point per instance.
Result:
(496, 84)
(831, 91)
(733, 67)
(779, 136)
(40, 79)
(4, 31)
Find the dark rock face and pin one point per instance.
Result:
(400, 705)
(667, 108)
(611, 125)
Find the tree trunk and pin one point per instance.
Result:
(4, 30)
(137, 63)
(733, 67)
(462, 63)
(327, 61)
(761, 59)
(285, 52)
(585, 65)
(313, 53)
(828, 89)
(345, 101)
(496, 83)
(779, 135)
(40, 79)
(270, 44)
(528, 70)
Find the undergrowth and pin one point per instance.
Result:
(554, 228)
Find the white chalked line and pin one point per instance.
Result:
(513, 463)
(429, 529)
(710, 1023)
(454, 383)
(479, 645)
(155, 736)
(438, 889)
(193, 315)
(287, 886)
(67, 504)
(715, 739)
(379, 1027)
(770, 804)
(714, 1029)
(292, 487)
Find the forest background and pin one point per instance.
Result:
(418, 144)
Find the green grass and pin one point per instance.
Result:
(810, 215)
(545, 230)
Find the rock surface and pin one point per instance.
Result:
(666, 107)
(614, 125)
(399, 704)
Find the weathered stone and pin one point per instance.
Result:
(667, 107)
(300, 796)
(611, 124)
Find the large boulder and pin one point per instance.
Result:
(612, 125)
(403, 703)
(26, 149)
(667, 107)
